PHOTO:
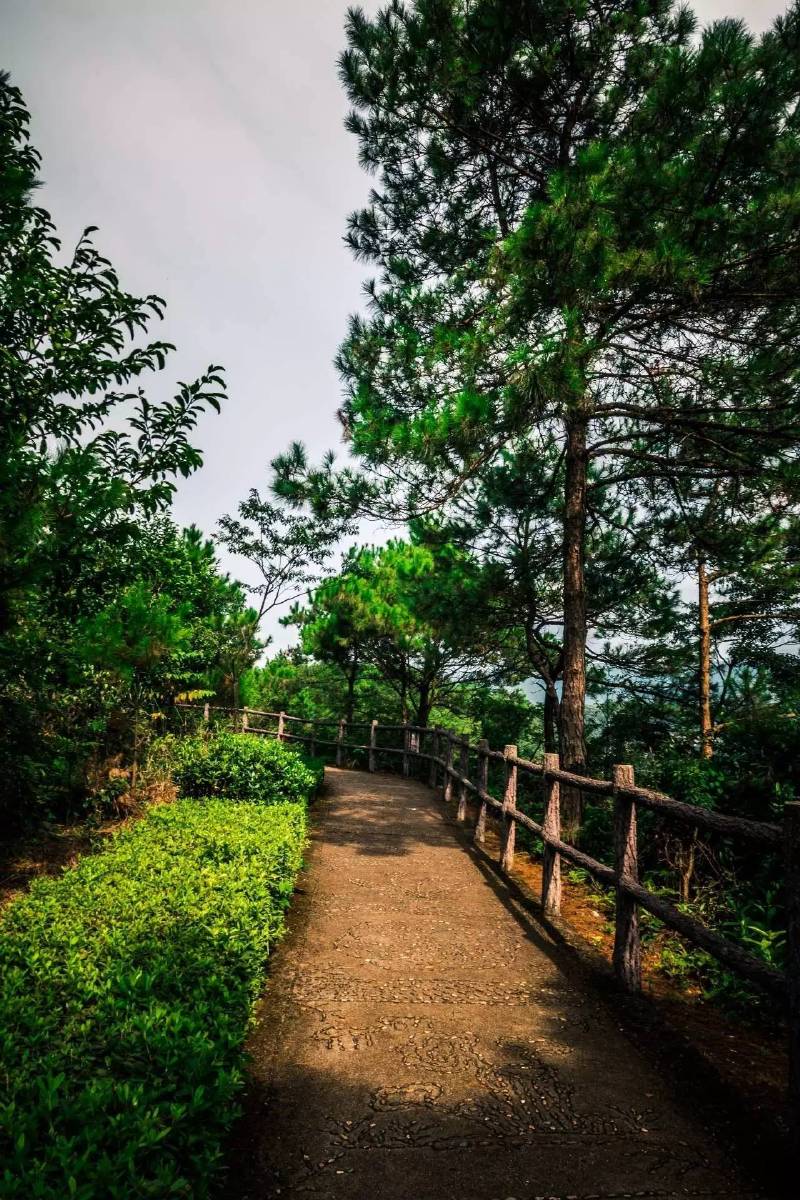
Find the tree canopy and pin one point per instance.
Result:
(101, 597)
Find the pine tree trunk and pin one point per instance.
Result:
(351, 691)
(136, 696)
(686, 864)
(424, 706)
(573, 696)
(550, 720)
(135, 754)
(706, 725)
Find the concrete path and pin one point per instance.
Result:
(419, 1042)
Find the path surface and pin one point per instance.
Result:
(420, 1043)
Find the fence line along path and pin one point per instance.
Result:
(420, 1041)
(491, 779)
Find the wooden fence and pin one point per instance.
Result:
(462, 770)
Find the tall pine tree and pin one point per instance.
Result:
(586, 225)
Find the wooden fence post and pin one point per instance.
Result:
(406, 746)
(434, 771)
(483, 786)
(463, 767)
(791, 839)
(206, 712)
(339, 743)
(448, 768)
(627, 945)
(245, 721)
(281, 725)
(509, 806)
(551, 860)
(373, 742)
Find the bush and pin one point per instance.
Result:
(126, 987)
(242, 766)
(317, 768)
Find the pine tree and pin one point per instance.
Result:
(404, 609)
(739, 544)
(586, 226)
(508, 517)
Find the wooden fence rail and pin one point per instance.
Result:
(448, 756)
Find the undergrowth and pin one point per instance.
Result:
(126, 986)
(754, 923)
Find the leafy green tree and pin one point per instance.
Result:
(219, 638)
(235, 647)
(333, 631)
(502, 715)
(87, 459)
(290, 682)
(130, 643)
(70, 365)
(287, 544)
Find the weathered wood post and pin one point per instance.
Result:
(448, 768)
(281, 725)
(434, 770)
(627, 945)
(482, 781)
(509, 807)
(406, 748)
(373, 742)
(463, 768)
(551, 823)
(340, 743)
(245, 721)
(791, 840)
(206, 712)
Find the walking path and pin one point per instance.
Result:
(419, 1042)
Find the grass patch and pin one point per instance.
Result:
(126, 987)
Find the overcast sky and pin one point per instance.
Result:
(205, 138)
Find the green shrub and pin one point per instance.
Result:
(242, 766)
(317, 768)
(126, 987)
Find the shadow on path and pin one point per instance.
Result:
(420, 1038)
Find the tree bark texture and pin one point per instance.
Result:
(424, 706)
(352, 675)
(704, 665)
(551, 721)
(573, 696)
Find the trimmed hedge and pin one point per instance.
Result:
(126, 987)
(242, 766)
